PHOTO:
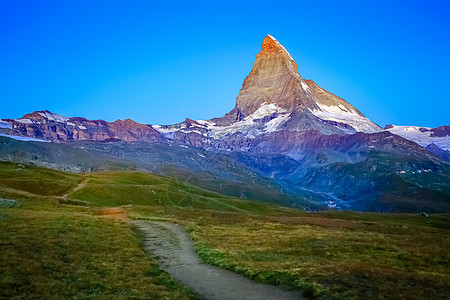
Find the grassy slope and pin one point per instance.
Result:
(146, 189)
(340, 257)
(338, 254)
(49, 251)
(68, 253)
(36, 180)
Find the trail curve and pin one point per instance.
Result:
(172, 246)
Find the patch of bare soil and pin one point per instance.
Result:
(117, 213)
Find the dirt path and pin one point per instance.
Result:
(117, 213)
(173, 247)
(76, 188)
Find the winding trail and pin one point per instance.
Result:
(174, 250)
(77, 187)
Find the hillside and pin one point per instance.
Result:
(213, 171)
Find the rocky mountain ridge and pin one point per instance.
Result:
(48, 126)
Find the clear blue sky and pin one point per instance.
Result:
(159, 62)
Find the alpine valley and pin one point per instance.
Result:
(287, 141)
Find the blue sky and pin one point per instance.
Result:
(159, 62)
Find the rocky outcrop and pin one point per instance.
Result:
(441, 131)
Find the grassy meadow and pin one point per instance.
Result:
(49, 250)
(55, 240)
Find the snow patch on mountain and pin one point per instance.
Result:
(276, 123)
(343, 115)
(251, 126)
(30, 119)
(205, 123)
(4, 124)
(305, 86)
(24, 121)
(169, 130)
(53, 117)
(421, 136)
(23, 138)
(265, 109)
(267, 118)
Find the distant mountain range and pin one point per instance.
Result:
(306, 146)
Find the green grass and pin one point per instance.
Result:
(36, 180)
(73, 253)
(146, 189)
(47, 246)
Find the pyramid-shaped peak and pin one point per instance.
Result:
(270, 44)
(274, 79)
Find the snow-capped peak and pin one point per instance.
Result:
(39, 116)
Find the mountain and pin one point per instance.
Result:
(275, 97)
(48, 126)
(287, 140)
(424, 136)
(274, 86)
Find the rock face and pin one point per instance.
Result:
(273, 79)
(52, 127)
